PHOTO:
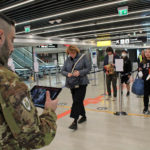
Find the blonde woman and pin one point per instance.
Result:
(78, 75)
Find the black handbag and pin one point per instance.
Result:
(74, 82)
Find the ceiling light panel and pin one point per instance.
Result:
(93, 24)
(92, 19)
(73, 11)
(16, 5)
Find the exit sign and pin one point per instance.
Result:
(27, 29)
(123, 11)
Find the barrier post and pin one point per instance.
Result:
(104, 77)
(37, 78)
(119, 68)
(94, 75)
(104, 80)
(120, 112)
(49, 77)
(57, 76)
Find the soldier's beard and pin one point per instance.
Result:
(4, 53)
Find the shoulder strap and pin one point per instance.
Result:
(77, 62)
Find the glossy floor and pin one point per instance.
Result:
(103, 130)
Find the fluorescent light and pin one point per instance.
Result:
(130, 26)
(84, 20)
(16, 5)
(106, 32)
(65, 29)
(107, 22)
(92, 24)
(73, 11)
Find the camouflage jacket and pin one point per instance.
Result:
(20, 126)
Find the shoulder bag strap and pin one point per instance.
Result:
(77, 62)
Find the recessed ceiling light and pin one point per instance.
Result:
(58, 20)
(52, 21)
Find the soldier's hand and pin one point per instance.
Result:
(52, 104)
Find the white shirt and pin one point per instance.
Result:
(110, 59)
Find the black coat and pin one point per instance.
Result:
(145, 68)
(127, 66)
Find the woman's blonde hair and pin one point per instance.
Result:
(72, 49)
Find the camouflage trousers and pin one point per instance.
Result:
(12, 148)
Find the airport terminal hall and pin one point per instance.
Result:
(74, 74)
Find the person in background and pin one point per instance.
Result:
(78, 92)
(109, 69)
(127, 68)
(145, 68)
(141, 57)
(20, 125)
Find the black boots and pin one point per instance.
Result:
(82, 119)
(74, 125)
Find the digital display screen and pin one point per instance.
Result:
(38, 94)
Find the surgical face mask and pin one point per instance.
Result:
(124, 55)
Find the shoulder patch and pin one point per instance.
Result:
(26, 103)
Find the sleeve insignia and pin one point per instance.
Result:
(26, 104)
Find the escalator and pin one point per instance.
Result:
(23, 61)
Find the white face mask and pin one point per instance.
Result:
(124, 55)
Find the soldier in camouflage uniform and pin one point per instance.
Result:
(20, 126)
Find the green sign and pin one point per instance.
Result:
(27, 29)
(123, 11)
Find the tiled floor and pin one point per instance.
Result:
(103, 130)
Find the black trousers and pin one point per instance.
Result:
(113, 79)
(146, 93)
(78, 95)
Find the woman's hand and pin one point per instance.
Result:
(76, 73)
(69, 74)
(140, 69)
(107, 73)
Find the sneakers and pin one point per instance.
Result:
(82, 119)
(146, 112)
(73, 126)
(128, 93)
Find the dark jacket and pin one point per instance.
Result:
(127, 67)
(106, 59)
(83, 66)
(145, 69)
